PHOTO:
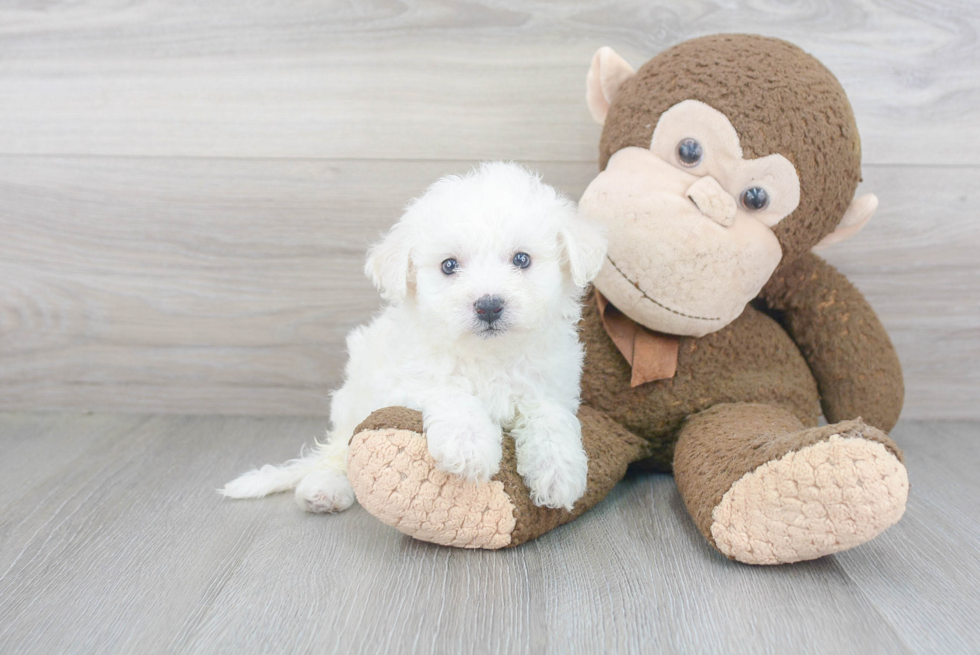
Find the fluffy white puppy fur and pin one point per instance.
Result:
(457, 251)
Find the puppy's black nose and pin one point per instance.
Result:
(489, 308)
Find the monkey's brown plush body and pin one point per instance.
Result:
(735, 417)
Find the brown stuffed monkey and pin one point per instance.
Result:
(714, 337)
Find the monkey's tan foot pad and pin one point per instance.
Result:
(827, 497)
(395, 479)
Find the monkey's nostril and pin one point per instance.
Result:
(713, 201)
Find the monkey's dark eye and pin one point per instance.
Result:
(689, 152)
(755, 198)
(449, 266)
(522, 260)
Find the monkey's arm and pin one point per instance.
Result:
(848, 350)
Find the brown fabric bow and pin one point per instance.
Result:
(652, 355)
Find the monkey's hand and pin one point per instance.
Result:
(849, 352)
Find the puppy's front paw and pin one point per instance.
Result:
(467, 446)
(557, 476)
(324, 492)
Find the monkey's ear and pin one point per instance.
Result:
(389, 262)
(584, 245)
(606, 75)
(856, 217)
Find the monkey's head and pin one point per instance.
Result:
(722, 159)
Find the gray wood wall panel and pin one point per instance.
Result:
(474, 80)
(187, 189)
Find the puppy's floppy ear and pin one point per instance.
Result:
(389, 262)
(584, 246)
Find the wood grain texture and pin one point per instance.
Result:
(943, 459)
(227, 286)
(917, 262)
(187, 189)
(112, 540)
(439, 80)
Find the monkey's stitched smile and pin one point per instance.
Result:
(655, 302)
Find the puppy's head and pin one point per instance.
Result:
(491, 252)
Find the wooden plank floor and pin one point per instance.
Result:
(112, 539)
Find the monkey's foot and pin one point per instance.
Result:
(396, 480)
(825, 497)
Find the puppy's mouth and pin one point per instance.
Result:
(490, 331)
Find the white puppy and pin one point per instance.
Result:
(484, 276)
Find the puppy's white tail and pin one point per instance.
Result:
(268, 480)
(272, 479)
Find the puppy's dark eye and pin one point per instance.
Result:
(755, 198)
(449, 266)
(522, 260)
(689, 152)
